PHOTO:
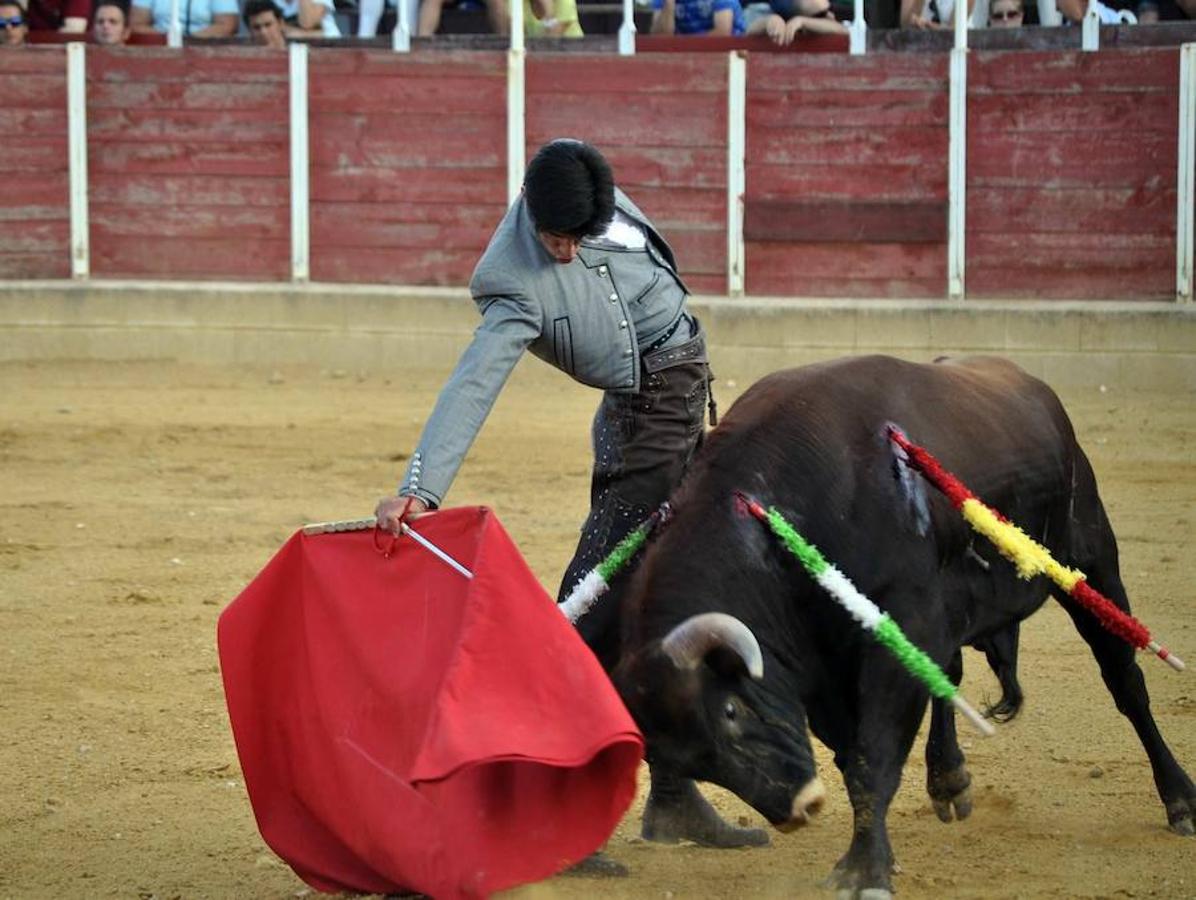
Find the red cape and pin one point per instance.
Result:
(402, 727)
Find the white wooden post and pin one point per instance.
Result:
(1185, 192)
(300, 231)
(1090, 28)
(957, 168)
(174, 32)
(736, 152)
(76, 112)
(858, 30)
(516, 19)
(400, 38)
(516, 124)
(627, 30)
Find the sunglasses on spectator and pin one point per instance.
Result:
(1005, 15)
(14, 22)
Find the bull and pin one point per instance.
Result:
(731, 654)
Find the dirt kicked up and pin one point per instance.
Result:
(138, 499)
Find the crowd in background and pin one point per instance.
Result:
(272, 23)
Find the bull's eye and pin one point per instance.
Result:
(730, 711)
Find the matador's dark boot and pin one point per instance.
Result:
(676, 811)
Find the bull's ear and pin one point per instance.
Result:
(688, 643)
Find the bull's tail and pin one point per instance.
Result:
(911, 488)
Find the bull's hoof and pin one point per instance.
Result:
(1181, 813)
(951, 794)
(689, 817)
(956, 807)
(598, 865)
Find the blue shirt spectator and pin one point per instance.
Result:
(198, 18)
(697, 16)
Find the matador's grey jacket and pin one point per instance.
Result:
(589, 318)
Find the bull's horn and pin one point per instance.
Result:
(688, 643)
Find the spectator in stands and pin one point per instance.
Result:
(110, 22)
(12, 19)
(1111, 12)
(698, 17)
(1005, 14)
(783, 20)
(930, 14)
(551, 18)
(57, 15)
(496, 12)
(1152, 11)
(310, 18)
(197, 18)
(264, 21)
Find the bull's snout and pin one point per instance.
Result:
(806, 805)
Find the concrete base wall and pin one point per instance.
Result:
(1128, 345)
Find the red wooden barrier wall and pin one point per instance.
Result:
(1072, 174)
(662, 122)
(1071, 165)
(188, 163)
(841, 134)
(35, 209)
(408, 163)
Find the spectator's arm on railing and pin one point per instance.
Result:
(311, 14)
(1073, 10)
(223, 25)
(141, 20)
(724, 23)
(664, 20)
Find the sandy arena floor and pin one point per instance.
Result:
(138, 499)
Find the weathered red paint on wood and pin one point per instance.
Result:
(413, 187)
(1070, 74)
(835, 178)
(845, 156)
(675, 169)
(346, 228)
(35, 153)
(820, 221)
(266, 159)
(394, 141)
(872, 146)
(408, 158)
(34, 201)
(447, 266)
(239, 257)
(850, 109)
(35, 265)
(33, 236)
(1092, 113)
(589, 73)
(222, 64)
(178, 96)
(845, 270)
(1093, 211)
(1071, 174)
(876, 75)
(247, 127)
(122, 221)
(33, 61)
(387, 64)
(1106, 159)
(17, 122)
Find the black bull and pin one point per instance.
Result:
(812, 443)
